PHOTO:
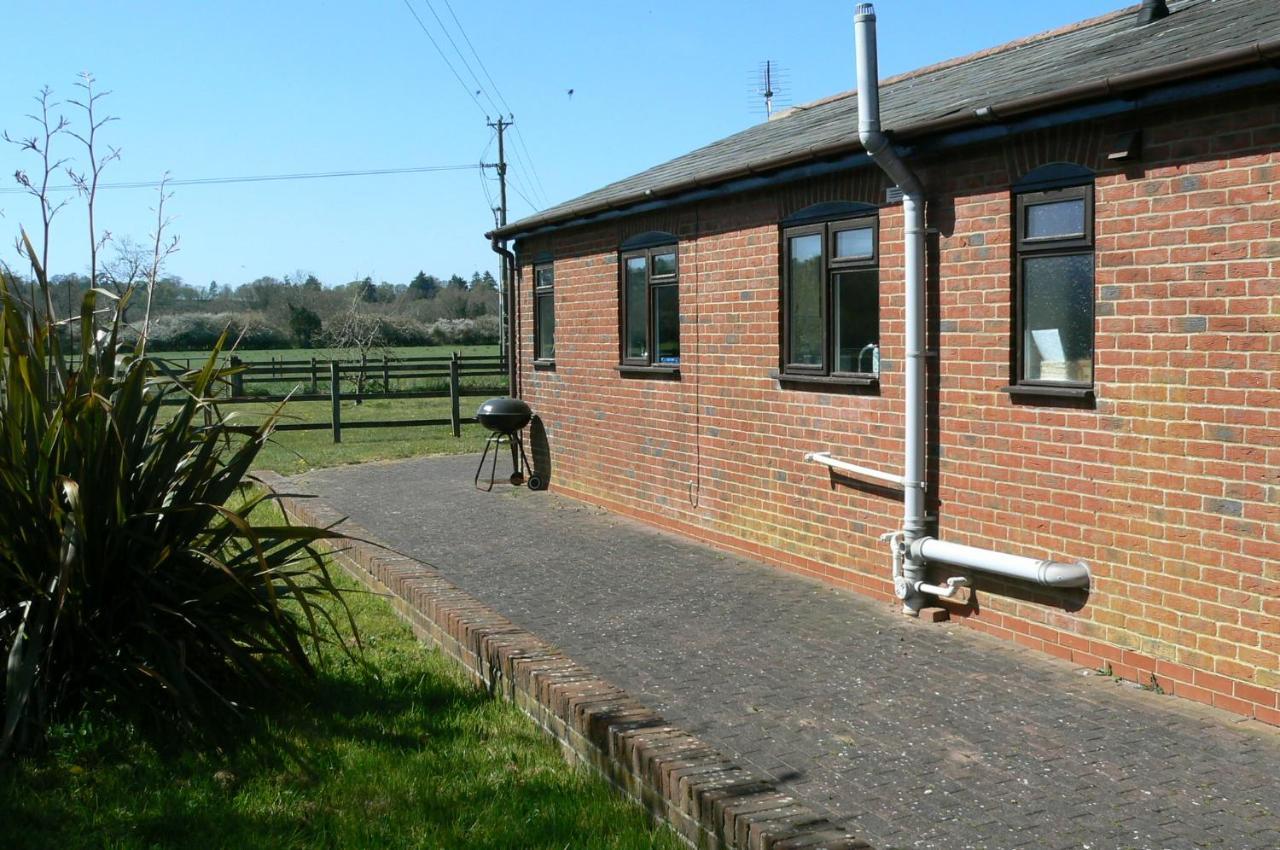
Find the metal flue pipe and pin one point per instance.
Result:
(912, 547)
(881, 151)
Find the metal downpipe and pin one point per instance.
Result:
(878, 146)
(912, 547)
(509, 288)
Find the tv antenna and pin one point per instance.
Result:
(769, 88)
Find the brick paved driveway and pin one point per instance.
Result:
(910, 735)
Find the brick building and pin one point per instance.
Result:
(1102, 340)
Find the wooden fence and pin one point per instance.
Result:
(454, 377)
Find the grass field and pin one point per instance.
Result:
(266, 355)
(293, 452)
(401, 753)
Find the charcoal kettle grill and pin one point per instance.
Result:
(505, 418)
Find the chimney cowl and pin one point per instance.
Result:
(1152, 10)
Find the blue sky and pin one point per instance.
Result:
(218, 89)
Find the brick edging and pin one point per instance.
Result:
(709, 800)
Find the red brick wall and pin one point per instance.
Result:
(1168, 485)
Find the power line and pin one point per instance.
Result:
(484, 179)
(516, 189)
(479, 86)
(525, 162)
(532, 168)
(522, 149)
(258, 178)
(445, 58)
(479, 61)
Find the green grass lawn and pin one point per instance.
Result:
(294, 452)
(403, 753)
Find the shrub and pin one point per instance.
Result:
(133, 570)
(201, 331)
(305, 325)
(399, 330)
(482, 330)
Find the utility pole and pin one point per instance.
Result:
(501, 167)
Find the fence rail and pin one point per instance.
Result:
(365, 373)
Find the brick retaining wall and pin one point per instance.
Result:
(710, 801)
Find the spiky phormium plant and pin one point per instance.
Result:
(133, 569)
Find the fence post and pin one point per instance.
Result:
(364, 376)
(335, 393)
(237, 379)
(386, 374)
(455, 417)
(315, 385)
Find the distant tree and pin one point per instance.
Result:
(424, 285)
(488, 282)
(305, 325)
(211, 292)
(312, 284)
(260, 292)
(454, 304)
(457, 282)
(127, 267)
(367, 291)
(357, 333)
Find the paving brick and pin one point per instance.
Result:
(903, 734)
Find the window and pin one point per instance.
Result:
(650, 307)
(831, 299)
(1054, 295)
(544, 312)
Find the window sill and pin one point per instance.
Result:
(1047, 391)
(655, 371)
(827, 380)
(544, 365)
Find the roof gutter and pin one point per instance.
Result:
(1262, 52)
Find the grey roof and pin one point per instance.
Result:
(1081, 62)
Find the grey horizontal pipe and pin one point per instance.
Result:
(1049, 573)
(826, 459)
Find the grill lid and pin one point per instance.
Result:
(504, 415)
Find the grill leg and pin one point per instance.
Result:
(493, 468)
(517, 452)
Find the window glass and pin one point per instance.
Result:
(857, 321)
(666, 325)
(544, 276)
(636, 308)
(805, 276)
(1057, 319)
(664, 264)
(546, 320)
(857, 244)
(1055, 220)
